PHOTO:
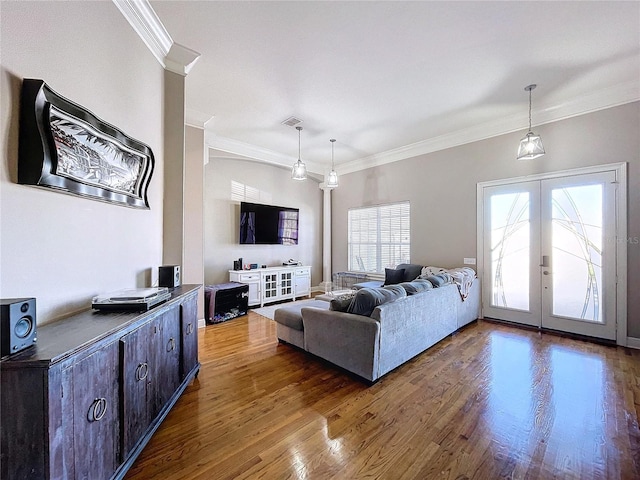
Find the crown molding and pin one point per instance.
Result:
(254, 152)
(197, 119)
(607, 98)
(145, 22)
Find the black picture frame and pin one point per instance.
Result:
(65, 147)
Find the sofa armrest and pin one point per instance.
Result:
(344, 339)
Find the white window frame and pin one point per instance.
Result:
(402, 209)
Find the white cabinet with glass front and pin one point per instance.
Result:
(274, 284)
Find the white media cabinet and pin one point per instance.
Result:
(273, 284)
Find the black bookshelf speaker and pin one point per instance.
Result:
(18, 324)
(169, 276)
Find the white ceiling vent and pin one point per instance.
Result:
(292, 122)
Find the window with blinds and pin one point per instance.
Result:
(379, 237)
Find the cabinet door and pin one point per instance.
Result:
(303, 283)
(286, 284)
(96, 424)
(137, 372)
(167, 359)
(270, 287)
(189, 336)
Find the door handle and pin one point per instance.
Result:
(545, 272)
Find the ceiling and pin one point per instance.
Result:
(390, 80)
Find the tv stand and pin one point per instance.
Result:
(273, 284)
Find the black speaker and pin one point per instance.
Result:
(169, 276)
(18, 324)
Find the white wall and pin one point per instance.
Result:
(222, 215)
(442, 187)
(60, 248)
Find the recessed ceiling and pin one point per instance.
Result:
(388, 79)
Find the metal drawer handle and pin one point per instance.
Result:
(171, 345)
(189, 328)
(142, 371)
(97, 410)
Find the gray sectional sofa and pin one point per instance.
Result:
(396, 331)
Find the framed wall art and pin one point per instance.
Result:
(64, 146)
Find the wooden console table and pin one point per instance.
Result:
(87, 398)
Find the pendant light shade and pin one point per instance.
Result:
(299, 170)
(332, 178)
(531, 145)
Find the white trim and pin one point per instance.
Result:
(180, 59)
(607, 98)
(633, 342)
(257, 153)
(620, 170)
(197, 119)
(144, 20)
(621, 254)
(202, 323)
(146, 23)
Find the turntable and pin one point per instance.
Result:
(133, 299)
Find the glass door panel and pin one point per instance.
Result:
(579, 282)
(510, 246)
(512, 226)
(576, 248)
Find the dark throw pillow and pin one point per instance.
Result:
(393, 276)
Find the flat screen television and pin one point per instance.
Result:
(268, 224)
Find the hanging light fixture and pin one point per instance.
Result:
(299, 170)
(332, 179)
(531, 145)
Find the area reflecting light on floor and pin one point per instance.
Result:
(554, 394)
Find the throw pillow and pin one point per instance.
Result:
(393, 276)
(341, 302)
(411, 271)
(367, 299)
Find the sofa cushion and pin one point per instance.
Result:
(291, 316)
(439, 279)
(367, 299)
(392, 276)
(416, 286)
(411, 271)
(341, 302)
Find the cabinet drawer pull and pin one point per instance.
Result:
(142, 371)
(189, 328)
(171, 345)
(97, 410)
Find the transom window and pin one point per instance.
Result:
(379, 237)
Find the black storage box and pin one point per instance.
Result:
(225, 301)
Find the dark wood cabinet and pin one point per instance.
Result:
(96, 415)
(188, 336)
(84, 402)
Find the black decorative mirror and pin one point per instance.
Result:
(65, 147)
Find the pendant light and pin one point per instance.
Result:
(332, 179)
(299, 170)
(531, 145)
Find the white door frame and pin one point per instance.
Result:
(620, 170)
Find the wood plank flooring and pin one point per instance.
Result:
(492, 401)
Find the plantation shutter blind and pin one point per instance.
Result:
(379, 237)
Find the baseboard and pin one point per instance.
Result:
(202, 323)
(633, 342)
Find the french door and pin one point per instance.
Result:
(550, 252)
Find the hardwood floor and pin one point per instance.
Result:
(491, 401)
